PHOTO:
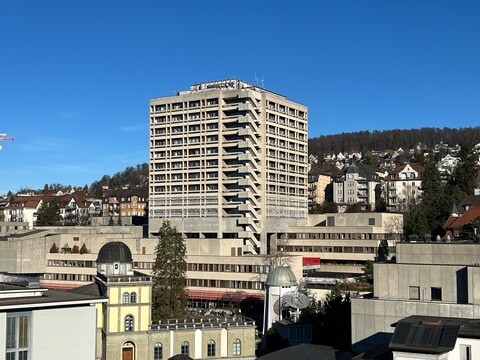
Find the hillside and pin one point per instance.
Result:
(364, 141)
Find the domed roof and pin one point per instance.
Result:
(281, 276)
(115, 251)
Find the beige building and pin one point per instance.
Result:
(336, 246)
(215, 273)
(317, 185)
(125, 330)
(228, 160)
(427, 279)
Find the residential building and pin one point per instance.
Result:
(357, 183)
(125, 202)
(41, 324)
(403, 187)
(457, 224)
(427, 279)
(23, 209)
(317, 188)
(75, 207)
(228, 160)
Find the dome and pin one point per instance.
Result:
(115, 251)
(281, 276)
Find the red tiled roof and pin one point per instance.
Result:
(466, 218)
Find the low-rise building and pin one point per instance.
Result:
(427, 279)
(39, 323)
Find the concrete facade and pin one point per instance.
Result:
(435, 279)
(230, 157)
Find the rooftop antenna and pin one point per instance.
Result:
(262, 82)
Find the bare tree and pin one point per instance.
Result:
(278, 255)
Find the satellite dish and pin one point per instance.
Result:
(296, 300)
(282, 302)
(278, 306)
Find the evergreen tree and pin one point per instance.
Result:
(48, 213)
(169, 294)
(436, 203)
(466, 173)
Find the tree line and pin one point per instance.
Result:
(365, 141)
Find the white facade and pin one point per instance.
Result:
(43, 324)
(404, 187)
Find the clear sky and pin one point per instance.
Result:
(76, 76)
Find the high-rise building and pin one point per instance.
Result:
(228, 160)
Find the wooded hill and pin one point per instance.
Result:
(365, 141)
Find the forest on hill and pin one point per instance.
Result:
(364, 141)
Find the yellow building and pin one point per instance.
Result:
(125, 330)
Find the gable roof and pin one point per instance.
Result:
(464, 219)
(394, 174)
(468, 201)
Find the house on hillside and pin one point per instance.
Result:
(455, 225)
(403, 186)
(125, 202)
(23, 209)
(357, 183)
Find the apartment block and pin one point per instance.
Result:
(228, 160)
(357, 183)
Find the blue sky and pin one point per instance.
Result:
(76, 76)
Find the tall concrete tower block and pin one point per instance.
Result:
(228, 160)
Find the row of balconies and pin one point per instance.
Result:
(286, 110)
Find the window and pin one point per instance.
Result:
(125, 297)
(436, 293)
(371, 221)
(414, 292)
(185, 349)
(129, 323)
(17, 336)
(465, 352)
(211, 348)
(158, 351)
(133, 297)
(237, 347)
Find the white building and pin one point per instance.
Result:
(403, 186)
(45, 324)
